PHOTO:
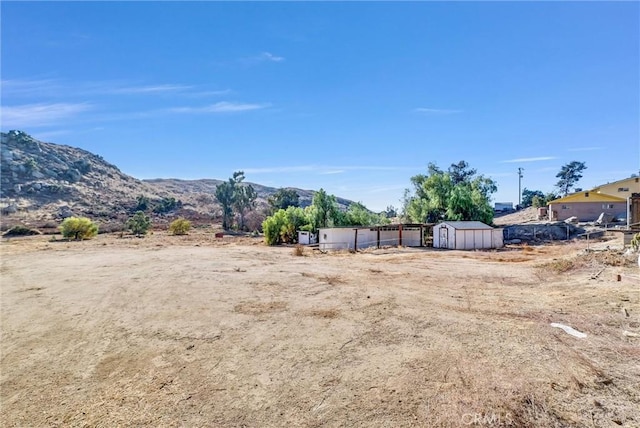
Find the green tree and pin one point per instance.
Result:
(224, 195)
(551, 196)
(233, 194)
(390, 212)
(283, 199)
(166, 205)
(325, 210)
(537, 201)
(569, 176)
(460, 172)
(78, 228)
(358, 215)
(139, 224)
(244, 197)
(458, 194)
(142, 202)
(528, 195)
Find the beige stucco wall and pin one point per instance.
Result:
(632, 184)
(585, 211)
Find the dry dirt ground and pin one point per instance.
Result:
(192, 331)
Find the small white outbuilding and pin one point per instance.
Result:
(307, 238)
(360, 237)
(466, 235)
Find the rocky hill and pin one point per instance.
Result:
(43, 183)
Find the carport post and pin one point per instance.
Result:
(399, 235)
(378, 229)
(355, 240)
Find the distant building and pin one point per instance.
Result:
(610, 198)
(503, 206)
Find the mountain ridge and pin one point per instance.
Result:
(44, 182)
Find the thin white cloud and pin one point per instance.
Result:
(267, 56)
(381, 189)
(261, 58)
(56, 88)
(333, 171)
(220, 107)
(209, 93)
(584, 149)
(535, 159)
(36, 115)
(29, 87)
(152, 89)
(434, 111)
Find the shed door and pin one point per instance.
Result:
(444, 237)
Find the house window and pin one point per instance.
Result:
(566, 207)
(623, 189)
(607, 206)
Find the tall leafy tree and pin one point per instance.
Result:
(358, 215)
(224, 195)
(460, 172)
(528, 195)
(244, 196)
(325, 209)
(458, 194)
(283, 199)
(235, 195)
(569, 176)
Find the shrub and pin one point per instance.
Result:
(635, 242)
(20, 230)
(298, 250)
(78, 228)
(180, 226)
(166, 205)
(139, 224)
(283, 225)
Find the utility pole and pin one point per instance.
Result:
(520, 186)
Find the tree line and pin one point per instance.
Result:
(457, 193)
(283, 225)
(569, 175)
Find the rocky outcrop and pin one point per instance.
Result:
(38, 175)
(541, 232)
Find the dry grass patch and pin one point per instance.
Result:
(333, 279)
(298, 250)
(323, 313)
(257, 308)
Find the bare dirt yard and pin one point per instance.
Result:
(194, 331)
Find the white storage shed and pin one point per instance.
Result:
(307, 238)
(466, 235)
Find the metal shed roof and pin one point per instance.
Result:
(467, 225)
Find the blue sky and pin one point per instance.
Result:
(352, 97)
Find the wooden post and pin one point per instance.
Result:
(355, 241)
(378, 228)
(399, 235)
